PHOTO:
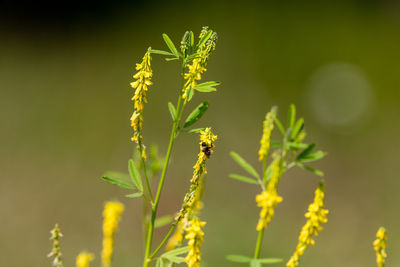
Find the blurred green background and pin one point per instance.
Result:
(65, 105)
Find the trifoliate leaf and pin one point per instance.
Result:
(243, 178)
(135, 175)
(306, 151)
(196, 114)
(312, 157)
(207, 86)
(246, 166)
(175, 252)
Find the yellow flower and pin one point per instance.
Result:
(268, 126)
(143, 80)
(195, 236)
(84, 259)
(268, 199)
(191, 200)
(380, 246)
(112, 214)
(316, 216)
(56, 250)
(198, 66)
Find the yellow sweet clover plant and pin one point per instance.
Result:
(183, 240)
(288, 153)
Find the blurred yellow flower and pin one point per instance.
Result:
(112, 214)
(316, 216)
(380, 246)
(83, 259)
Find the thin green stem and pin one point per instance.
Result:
(147, 257)
(171, 230)
(259, 243)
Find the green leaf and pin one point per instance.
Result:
(190, 93)
(207, 87)
(170, 45)
(238, 258)
(160, 262)
(276, 144)
(312, 157)
(196, 130)
(172, 110)
(243, 178)
(267, 174)
(176, 259)
(191, 42)
(296, 146)
(161, 52)
(191, 57)
(297, 128)
(255, 263)
(115, 180)
(196, 114)
(135, 195)
(291, 116)
(246, 166)
(175, 252)
(308, 168)
(171, 58)
(280, 126)
(306, 151)
(204, 39)
(162, 221)
(135, 175)
(270, 260)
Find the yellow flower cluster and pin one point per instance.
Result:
(143, 79)
(268, 199)
(268, 126)
(316, 216)
(83, 259)
(191, 200)
(56, 250)
(198, 66)
(380, 246)
(195, 236)
(112, 214)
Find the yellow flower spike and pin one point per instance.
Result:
(83, 259)
(269, 198)
(198, 66)
(380, 247)
(56, 250)
(316, 216)
(143, 80)
(268, 126)
(112, 214)
(190, 202)
(195, 237)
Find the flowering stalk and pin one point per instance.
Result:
(316, 216)
(112, 214)
(380, 247)
(56, 250)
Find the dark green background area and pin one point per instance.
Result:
(65, 108)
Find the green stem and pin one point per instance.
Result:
(147, 257)
(171, 230)
(259, 243)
